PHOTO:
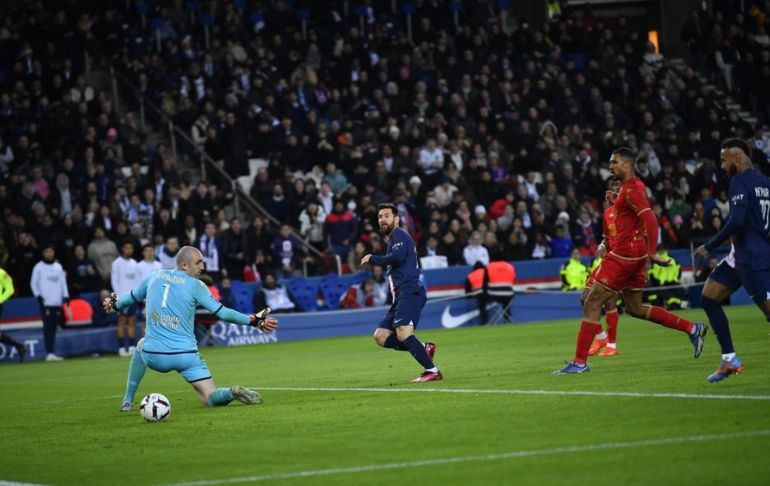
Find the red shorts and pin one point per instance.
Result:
(618, 273)
(591, 278)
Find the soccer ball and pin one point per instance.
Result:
(155, 407)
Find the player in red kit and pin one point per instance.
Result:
(606, 340)
(624, 269)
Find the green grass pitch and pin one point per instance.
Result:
(341, 411)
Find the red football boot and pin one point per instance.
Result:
(428, 376)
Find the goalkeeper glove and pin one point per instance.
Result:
(258, 319)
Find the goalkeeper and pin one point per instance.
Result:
(169, 343)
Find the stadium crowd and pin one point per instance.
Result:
(491, 138)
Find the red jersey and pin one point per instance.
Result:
(630, 233)
(609, 227)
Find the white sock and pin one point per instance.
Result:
(601, 335)
(728, 356)
(612, 345)
(432, 370)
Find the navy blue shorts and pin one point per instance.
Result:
(405, 310)
(756, 283)
(727, 276)
(129, 310)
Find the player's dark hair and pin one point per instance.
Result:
(738, 143)
(625, 153)
(390, 206)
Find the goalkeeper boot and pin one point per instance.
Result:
(697, 338)
(244, 395)
(726, 368)
(430, 348)
(596, 346)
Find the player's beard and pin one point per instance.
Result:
(387, 229)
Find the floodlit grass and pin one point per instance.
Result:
(61, 425)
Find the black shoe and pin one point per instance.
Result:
(22, 352)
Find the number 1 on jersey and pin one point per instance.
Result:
(765, 205)
(166, 288)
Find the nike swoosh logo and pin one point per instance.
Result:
(449, 321)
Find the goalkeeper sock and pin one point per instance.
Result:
(418, 351)
(220, 396)
(136, 369)
(393, 343)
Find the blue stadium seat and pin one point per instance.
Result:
(304, 293)
(243, 297)
(332, 289)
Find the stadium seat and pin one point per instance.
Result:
(78, 312)
(304, 293)
(332, 289)
(243, 297)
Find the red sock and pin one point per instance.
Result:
(665, 318)
(588, 330)
(612, 319)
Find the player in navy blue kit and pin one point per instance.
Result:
(396, 331)
(749, 226)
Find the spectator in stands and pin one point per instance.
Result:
(274, 295)
(234, 248)
(561, 244)
(475, 251)
(22, 260)
(359, 295)
(382, 295)
(102, 251)
(340, 229)
(166, 253)
(82, 273)
(49, 286)
(311, 221)
(210, 246)
(355, 256)
(287, 252)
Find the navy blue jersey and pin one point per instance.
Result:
(749, 220)
(401, 262)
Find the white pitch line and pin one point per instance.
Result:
(480, 458)
(464, 391)
(459, 391)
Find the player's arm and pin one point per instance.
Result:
(637, 200)
(396, 254)
(736, 218)
(603, 247)
(259, 320)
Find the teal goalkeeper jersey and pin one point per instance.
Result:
(171, 299)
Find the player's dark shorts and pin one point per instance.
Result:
(405, 309)
(727, 276)
(129, 310)
(756, 283)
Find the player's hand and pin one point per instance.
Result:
(262, 321)
(109, 304)
(601, 250)
(701, 251)
(365, 263)
(657, 260)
